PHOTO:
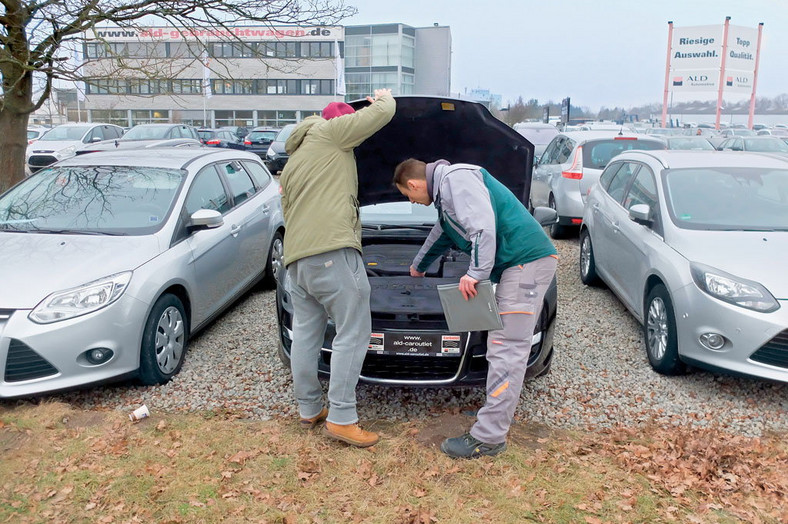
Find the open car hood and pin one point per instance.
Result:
(434, 128)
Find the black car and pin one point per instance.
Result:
(411, 344)
(276, 156)
(259, 140)
(239, 131)
(220, 138)
(145, 136)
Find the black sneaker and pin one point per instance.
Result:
(466, 446)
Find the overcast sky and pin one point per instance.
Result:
(598, 52)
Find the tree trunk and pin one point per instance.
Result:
(13, 144)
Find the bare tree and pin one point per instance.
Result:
(37, 36)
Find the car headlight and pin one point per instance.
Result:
(270, 153)
(85, 299)
(734, 290)
(66, 152)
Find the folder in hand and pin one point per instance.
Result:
(479, 313)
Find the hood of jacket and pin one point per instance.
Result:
(296, 138)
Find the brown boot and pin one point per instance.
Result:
(309, 423)
(351, 434)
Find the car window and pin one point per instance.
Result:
(597, 153)
(207, 192)
(548, 157)
(563, 152)
(608, 174)
(642, 191)
(259, 173)
(241, 185)
(620, 181)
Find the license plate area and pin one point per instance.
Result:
(417, 344)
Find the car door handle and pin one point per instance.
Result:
(266, 209)
(615, 227)
(235, 229)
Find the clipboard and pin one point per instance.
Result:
(479, 313)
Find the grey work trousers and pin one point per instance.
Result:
(519, 296)
(334, 285)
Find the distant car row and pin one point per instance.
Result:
(47, 146)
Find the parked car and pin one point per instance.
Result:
(569, 167)
(694, 244)
(411, 344)
(538, 133)
(35, 132)
(724, 134)
(276, 156)
(147, 136)
(698, 143)
(766, 144)
(776, 131)
(259, 140)
(63, 141)
(239, 131)
(112, 262)
(220, 138)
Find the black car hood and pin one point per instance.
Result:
(433, 128)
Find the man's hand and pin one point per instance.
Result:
(381, 92)
(416, 273)
(468, 287)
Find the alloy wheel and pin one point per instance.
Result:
(170, 336)
(657, 326)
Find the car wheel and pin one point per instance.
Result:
(659, 331)
(283, 356)
(557, 231)
(164, 341)
(276, 261)
(587, 263)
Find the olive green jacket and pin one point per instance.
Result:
(320, 182)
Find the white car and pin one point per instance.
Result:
(61, 142)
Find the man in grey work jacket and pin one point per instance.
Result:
(480, 216)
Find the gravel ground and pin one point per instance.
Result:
(600, 376)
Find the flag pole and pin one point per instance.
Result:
(667, 76)
(722, 71)
(755, 77)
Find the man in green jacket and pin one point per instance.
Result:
(323, 258)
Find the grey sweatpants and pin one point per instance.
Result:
(334, 285)
(519, 296)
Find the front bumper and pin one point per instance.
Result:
(756, 344)
(42, 358)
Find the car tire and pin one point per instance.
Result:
(659, 333)
(588, 273)
(164, 341)
(557, 231)
(274, 265)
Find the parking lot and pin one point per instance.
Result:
(600, 376)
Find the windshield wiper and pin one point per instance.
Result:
(74, 232)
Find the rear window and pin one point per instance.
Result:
(257, 135)
(285, 133)
(597, 153)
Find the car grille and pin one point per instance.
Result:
(774, 352)
(41, 160)
(23, 363)
(394, 367)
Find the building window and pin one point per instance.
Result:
(358, 50)
(276, 118)
(149, 116)
(317, 49)
(189, 86)
(119, 117)
(104, 86)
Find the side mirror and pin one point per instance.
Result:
(546, 216)
(95, 139)
(641, 214)
(206, 219)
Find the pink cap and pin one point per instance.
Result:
(335, 109)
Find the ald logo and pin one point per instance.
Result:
(698, 78)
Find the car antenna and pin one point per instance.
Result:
(621, 131)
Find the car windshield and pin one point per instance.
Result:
(597, 153)
(91, 200)
(774, 145)
(690, 143)
(65, 133)
(398, 214)
(143, 132)
(746, 199)
(257, 135)
(284, 133)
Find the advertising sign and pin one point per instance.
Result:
(697, 47)
(218, 34)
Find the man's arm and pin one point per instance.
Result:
(436, 244)
(348, 131)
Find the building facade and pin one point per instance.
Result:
(252, 75)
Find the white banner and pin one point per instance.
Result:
(742, 43)
(697, 47)
(340, 66)
(207, 92)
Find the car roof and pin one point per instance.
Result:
(680, 159)
(165, 157)
(585, 136)
(264, 128)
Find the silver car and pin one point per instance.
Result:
(694, 244)
(569, 167)
(112, 261)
